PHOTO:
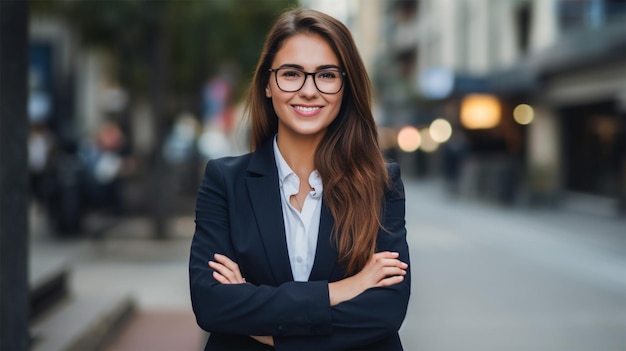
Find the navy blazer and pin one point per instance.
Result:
(238, 214)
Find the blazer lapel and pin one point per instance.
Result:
(326, 252)
(264, 191)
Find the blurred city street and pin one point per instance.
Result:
(493, 278)
(485, 277)
(508, 119)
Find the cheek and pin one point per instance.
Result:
(338, 101)
(278, 107)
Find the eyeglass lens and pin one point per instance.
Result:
(328, 81)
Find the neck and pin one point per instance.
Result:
(299, 153)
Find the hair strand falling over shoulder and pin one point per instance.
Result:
(348, 158)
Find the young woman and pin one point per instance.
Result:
(301, 244)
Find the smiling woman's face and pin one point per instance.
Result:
(305, 113)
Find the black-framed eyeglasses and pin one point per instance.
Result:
(327, 81)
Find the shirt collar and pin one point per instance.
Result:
(288, 178)
(315, 181)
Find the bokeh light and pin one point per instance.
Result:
(409, 139)
(523, 114)
(480, 111)
(440, 130)
(428, 144)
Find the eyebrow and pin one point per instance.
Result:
(291, 65)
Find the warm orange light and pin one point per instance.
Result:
(409, 139)
(480, 111)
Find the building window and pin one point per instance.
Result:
(406, 9)
(463, 36)
(406, 63)
(575, 14)
(524, 17)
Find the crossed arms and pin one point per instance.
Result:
(350, 312)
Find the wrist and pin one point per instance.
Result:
(334, 292)
(343, 290)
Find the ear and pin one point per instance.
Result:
(268, 91)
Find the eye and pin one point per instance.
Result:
(328, 75)
(290, 73)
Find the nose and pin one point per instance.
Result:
(308, 89)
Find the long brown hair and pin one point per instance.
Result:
(348, 159)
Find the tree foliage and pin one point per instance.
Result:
(200, 35)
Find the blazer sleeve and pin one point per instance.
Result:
(293, 308)
(377, 313)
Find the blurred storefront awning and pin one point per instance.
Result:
(517, 80)
(582, 48)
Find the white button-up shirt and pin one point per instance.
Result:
(301, 228)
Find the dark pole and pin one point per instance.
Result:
(14, 333)
(161, 188)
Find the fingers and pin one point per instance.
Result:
(386, 254)
(226, 271)
(389, 270)
(230, 264)
(268, 340)
(227, 275)
(387, 259)
(389, 281)
(220, 278)
(392, 263)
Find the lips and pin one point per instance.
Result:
(307, 110)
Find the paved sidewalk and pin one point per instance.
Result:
(489, 278)
(155, 273)
(126, 261)
(160, 331)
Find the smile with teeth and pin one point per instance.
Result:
(306, 109)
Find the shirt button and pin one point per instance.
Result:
(299, 259)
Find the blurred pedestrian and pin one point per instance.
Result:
(41, 160)
(455, 152)
(108, 162)
(301, 244)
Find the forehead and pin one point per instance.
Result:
(307, 50)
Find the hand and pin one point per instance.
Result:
(382, 269)
(226, 271)
(267, 340)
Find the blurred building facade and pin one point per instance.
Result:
(555, 71)
(74, 97)
(562, 61)
(142, 70)
(365, 20)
